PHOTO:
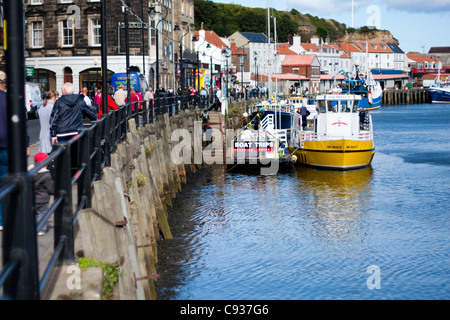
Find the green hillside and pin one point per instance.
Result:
(225, 19)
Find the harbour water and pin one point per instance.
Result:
(380, 232)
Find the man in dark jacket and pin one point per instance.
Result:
(66, 119)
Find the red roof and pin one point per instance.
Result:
(212, 38)
(310, 47)
(418, 58)
(298, 60)
(235, 49)
(331, 77)
(389, 76)
(283, 76)
(348, 47)
(283, 48)
(373, 47)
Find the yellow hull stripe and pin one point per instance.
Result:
(340, 154)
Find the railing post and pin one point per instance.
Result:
(20, 239)
(106, 125)
(145, 112)
(84, 184)
(136, 113)
(97, 146)
(63, 214)
(152, 109)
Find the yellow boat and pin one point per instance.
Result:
(339, 136)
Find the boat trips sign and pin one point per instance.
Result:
(254, 146)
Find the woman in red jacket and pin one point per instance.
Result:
(111, 103)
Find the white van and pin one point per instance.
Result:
(33, 99)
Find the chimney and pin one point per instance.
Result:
(297, 40)
(201, 28)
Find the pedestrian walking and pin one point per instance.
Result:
(111, 103)
(120, 95)
(66, 119)
(44, 112)
(43, 188)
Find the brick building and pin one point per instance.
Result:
(63, 40)
(303, 65)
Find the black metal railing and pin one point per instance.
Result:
(19, 277)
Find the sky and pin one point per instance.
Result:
(416, 24)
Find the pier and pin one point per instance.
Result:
(405, 96)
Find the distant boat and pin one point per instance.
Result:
(440, 90)
(440, 94)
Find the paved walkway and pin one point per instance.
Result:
(213, 153)
(45, 251)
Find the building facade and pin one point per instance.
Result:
(63, 41)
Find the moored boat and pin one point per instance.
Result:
(263, 139)
(367, 87)
(440, 90)
(339, 137)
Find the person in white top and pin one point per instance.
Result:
(87, 99)
(120, 96)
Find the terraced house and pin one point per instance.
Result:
(63, 40)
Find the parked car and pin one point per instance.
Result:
(33, 99)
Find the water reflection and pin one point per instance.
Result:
(311, 234)
(339, 204)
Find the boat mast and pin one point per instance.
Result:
(275, 53)
(268, 40)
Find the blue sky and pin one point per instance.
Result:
(417, 24)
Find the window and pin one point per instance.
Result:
(66, 1)
(36, 34)
(36, 2)
(322, 107)
(96, 36)
(153, 33)
(67, 33)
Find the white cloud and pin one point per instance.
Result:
(322, 7)
(332, 7)
(419, 6)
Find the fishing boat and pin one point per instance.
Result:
(339, 137)
(366, 86)
(264, 138)
(440, 90)
(440, 93)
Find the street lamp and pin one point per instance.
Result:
(241, 58)
(197, 75)
(177, 28)
(227, 53)
(125, 10)
(104, 59)
(153, 12)
(256, 70)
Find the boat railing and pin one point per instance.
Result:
(307, 136)
(282, 136)
(365, 136)
(272, 107)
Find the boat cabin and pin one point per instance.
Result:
(337, 117)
